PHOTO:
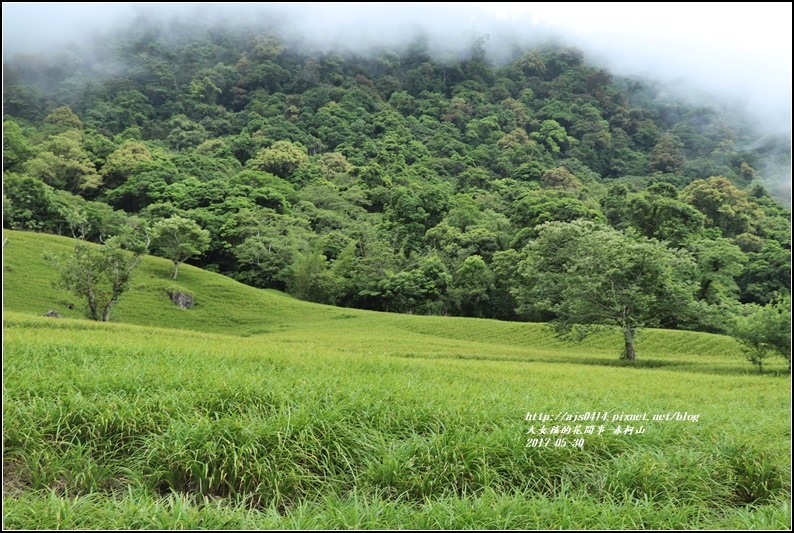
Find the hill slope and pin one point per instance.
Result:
(231, 308)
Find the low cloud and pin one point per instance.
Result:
(739, 54)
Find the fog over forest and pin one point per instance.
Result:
(739, 54)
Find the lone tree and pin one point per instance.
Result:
(763, 331)
(179, 239)
(100, 274)
(590, 276)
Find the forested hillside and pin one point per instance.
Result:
(397, 179)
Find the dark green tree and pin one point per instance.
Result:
(666, 156)
(16, 148)
(590, 276)
(179, 239)
(470, 289)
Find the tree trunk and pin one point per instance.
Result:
(176, 270)
(92, 306)
(106, 312)
(628, 335)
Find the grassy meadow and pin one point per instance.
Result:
(256, 410)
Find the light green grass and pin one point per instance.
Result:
(227, 307)
(281, 414)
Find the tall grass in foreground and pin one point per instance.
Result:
(116, 426)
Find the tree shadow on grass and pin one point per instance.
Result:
(643, 364)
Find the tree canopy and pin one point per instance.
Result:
(763, 331)
(589, 275)
(178, 239)
(97, 274)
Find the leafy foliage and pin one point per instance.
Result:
(97, 274)
(588, 275)
(178, 239)
(763, 331)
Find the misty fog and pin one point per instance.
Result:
(738, 53)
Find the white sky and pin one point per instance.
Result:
(737, 50)
(741, 50)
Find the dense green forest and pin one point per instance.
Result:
(397, 179)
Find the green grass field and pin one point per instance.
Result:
(255, 410)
